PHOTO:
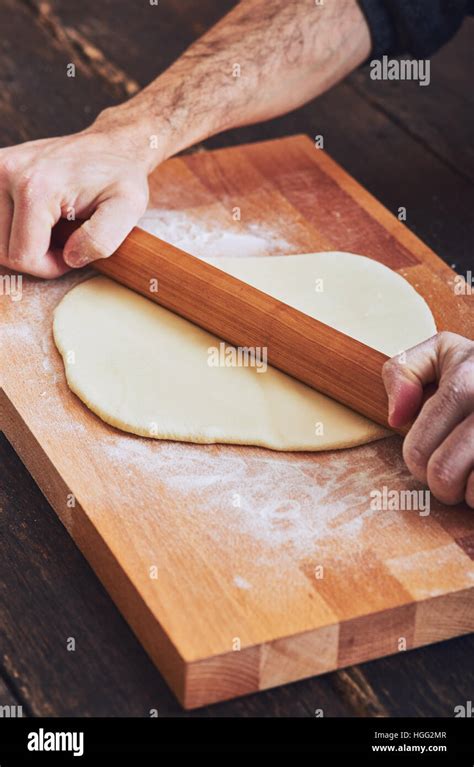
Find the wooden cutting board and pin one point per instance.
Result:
(241, 568)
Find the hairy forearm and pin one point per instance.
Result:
(264, 58)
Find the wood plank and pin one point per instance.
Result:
(10, 705)
(145, 40)
(426, 682)
(43, 101)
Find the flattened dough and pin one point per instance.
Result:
(145, 370)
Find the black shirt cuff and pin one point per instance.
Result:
(416, 27)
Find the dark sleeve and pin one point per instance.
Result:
(416, 27)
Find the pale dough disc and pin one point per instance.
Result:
(145, 370)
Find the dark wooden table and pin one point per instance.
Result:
(410, 146)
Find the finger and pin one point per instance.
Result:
(102, 234)
(30, 234)
(6, 216)
(51, 266)
(470, 490)
(405, 376)
(439, 416)
(451, 464)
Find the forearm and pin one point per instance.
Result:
(265, 58)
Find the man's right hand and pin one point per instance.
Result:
(95, 174)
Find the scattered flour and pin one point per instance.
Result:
(241, 583)
(282, 508)
(203, 240)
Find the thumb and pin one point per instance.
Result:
(102, 234)
(406, 376)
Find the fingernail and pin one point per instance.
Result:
(76, 259)
(392, 409)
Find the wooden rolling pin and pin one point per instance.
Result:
(317, 354)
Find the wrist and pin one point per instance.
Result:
(132, 131)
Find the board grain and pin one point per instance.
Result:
(269, 567)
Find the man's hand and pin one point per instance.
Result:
(439, 448)
(91, 174)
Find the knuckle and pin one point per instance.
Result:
(134, 194)
(414, 458)
(455, 390)
(126, 189)
(466, 374)
(441, 480)
(8, 168)
(30, 185)
(449, 341)
(14, 259)
(440, 471)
